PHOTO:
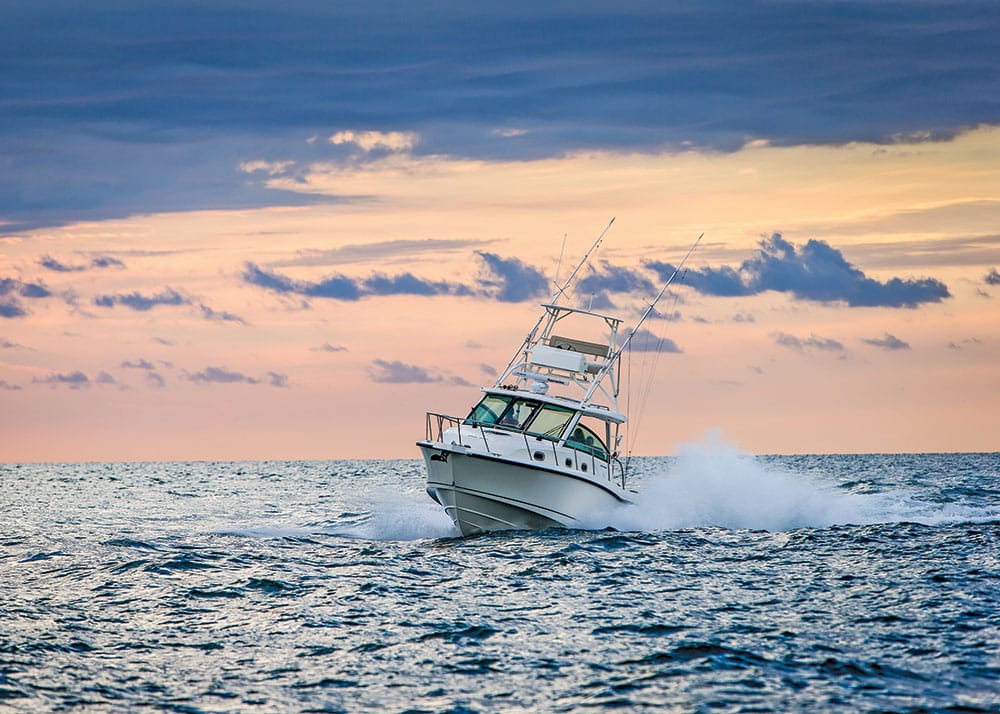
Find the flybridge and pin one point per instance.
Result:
(592, 367)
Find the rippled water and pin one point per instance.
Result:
(820, 583)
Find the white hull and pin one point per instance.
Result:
(483, 492)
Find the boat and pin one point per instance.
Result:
(540, 449)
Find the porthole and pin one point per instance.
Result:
(539, 456)
(583, 467)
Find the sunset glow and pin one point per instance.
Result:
(350, 272)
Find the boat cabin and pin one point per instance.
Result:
(577, 429)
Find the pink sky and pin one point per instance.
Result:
(219, 366)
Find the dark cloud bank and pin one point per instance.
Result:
(115, 108)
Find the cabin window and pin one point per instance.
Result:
(584, 437)
(550, 422)
(488, 411)
(518, 414)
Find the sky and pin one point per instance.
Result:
(259, 230)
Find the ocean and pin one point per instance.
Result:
(826, 583)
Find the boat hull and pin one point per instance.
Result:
(483, 493)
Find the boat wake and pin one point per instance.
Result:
(402, 517)
(714, 484)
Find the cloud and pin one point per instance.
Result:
(409, 284)
(647, 341)
(327, 347)
(163, 341)
(8, 345)
(488, 370)
(613, 279)
(889, 342)
(7, 386)
(142, 303)
(368, 253)
(221, 375)
(276, 379)
(271, 168)
(510, 280)
(506, 279)
(155, 380)
(50, 263)
(395, 141)
(13, 288)
(992, 277)
(825, 344)
(815, 271)
(396, 372)
(11, 307)
(220, 315)
(73, 380)
(106, 261)
(138, 364)
(95, 140)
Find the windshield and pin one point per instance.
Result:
(488, 411)
(518, 413)
(550, 422)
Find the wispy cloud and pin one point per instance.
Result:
(73, 380)
(50, 263)
(507, 280)
(222, 375)
(142, 303)
(992, 277)
(815, 271)
(219, 315)
(376, 140)
(327, 347)
(888, 342)
(367, 253)
(825, 344)
(138, 364)
(396, 372)
(7, 386)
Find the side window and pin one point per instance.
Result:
(550, 422)
(585, 437)
(488, 411)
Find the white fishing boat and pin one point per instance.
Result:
(541, 447)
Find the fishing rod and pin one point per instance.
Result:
(649, 309)
(555, 297)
